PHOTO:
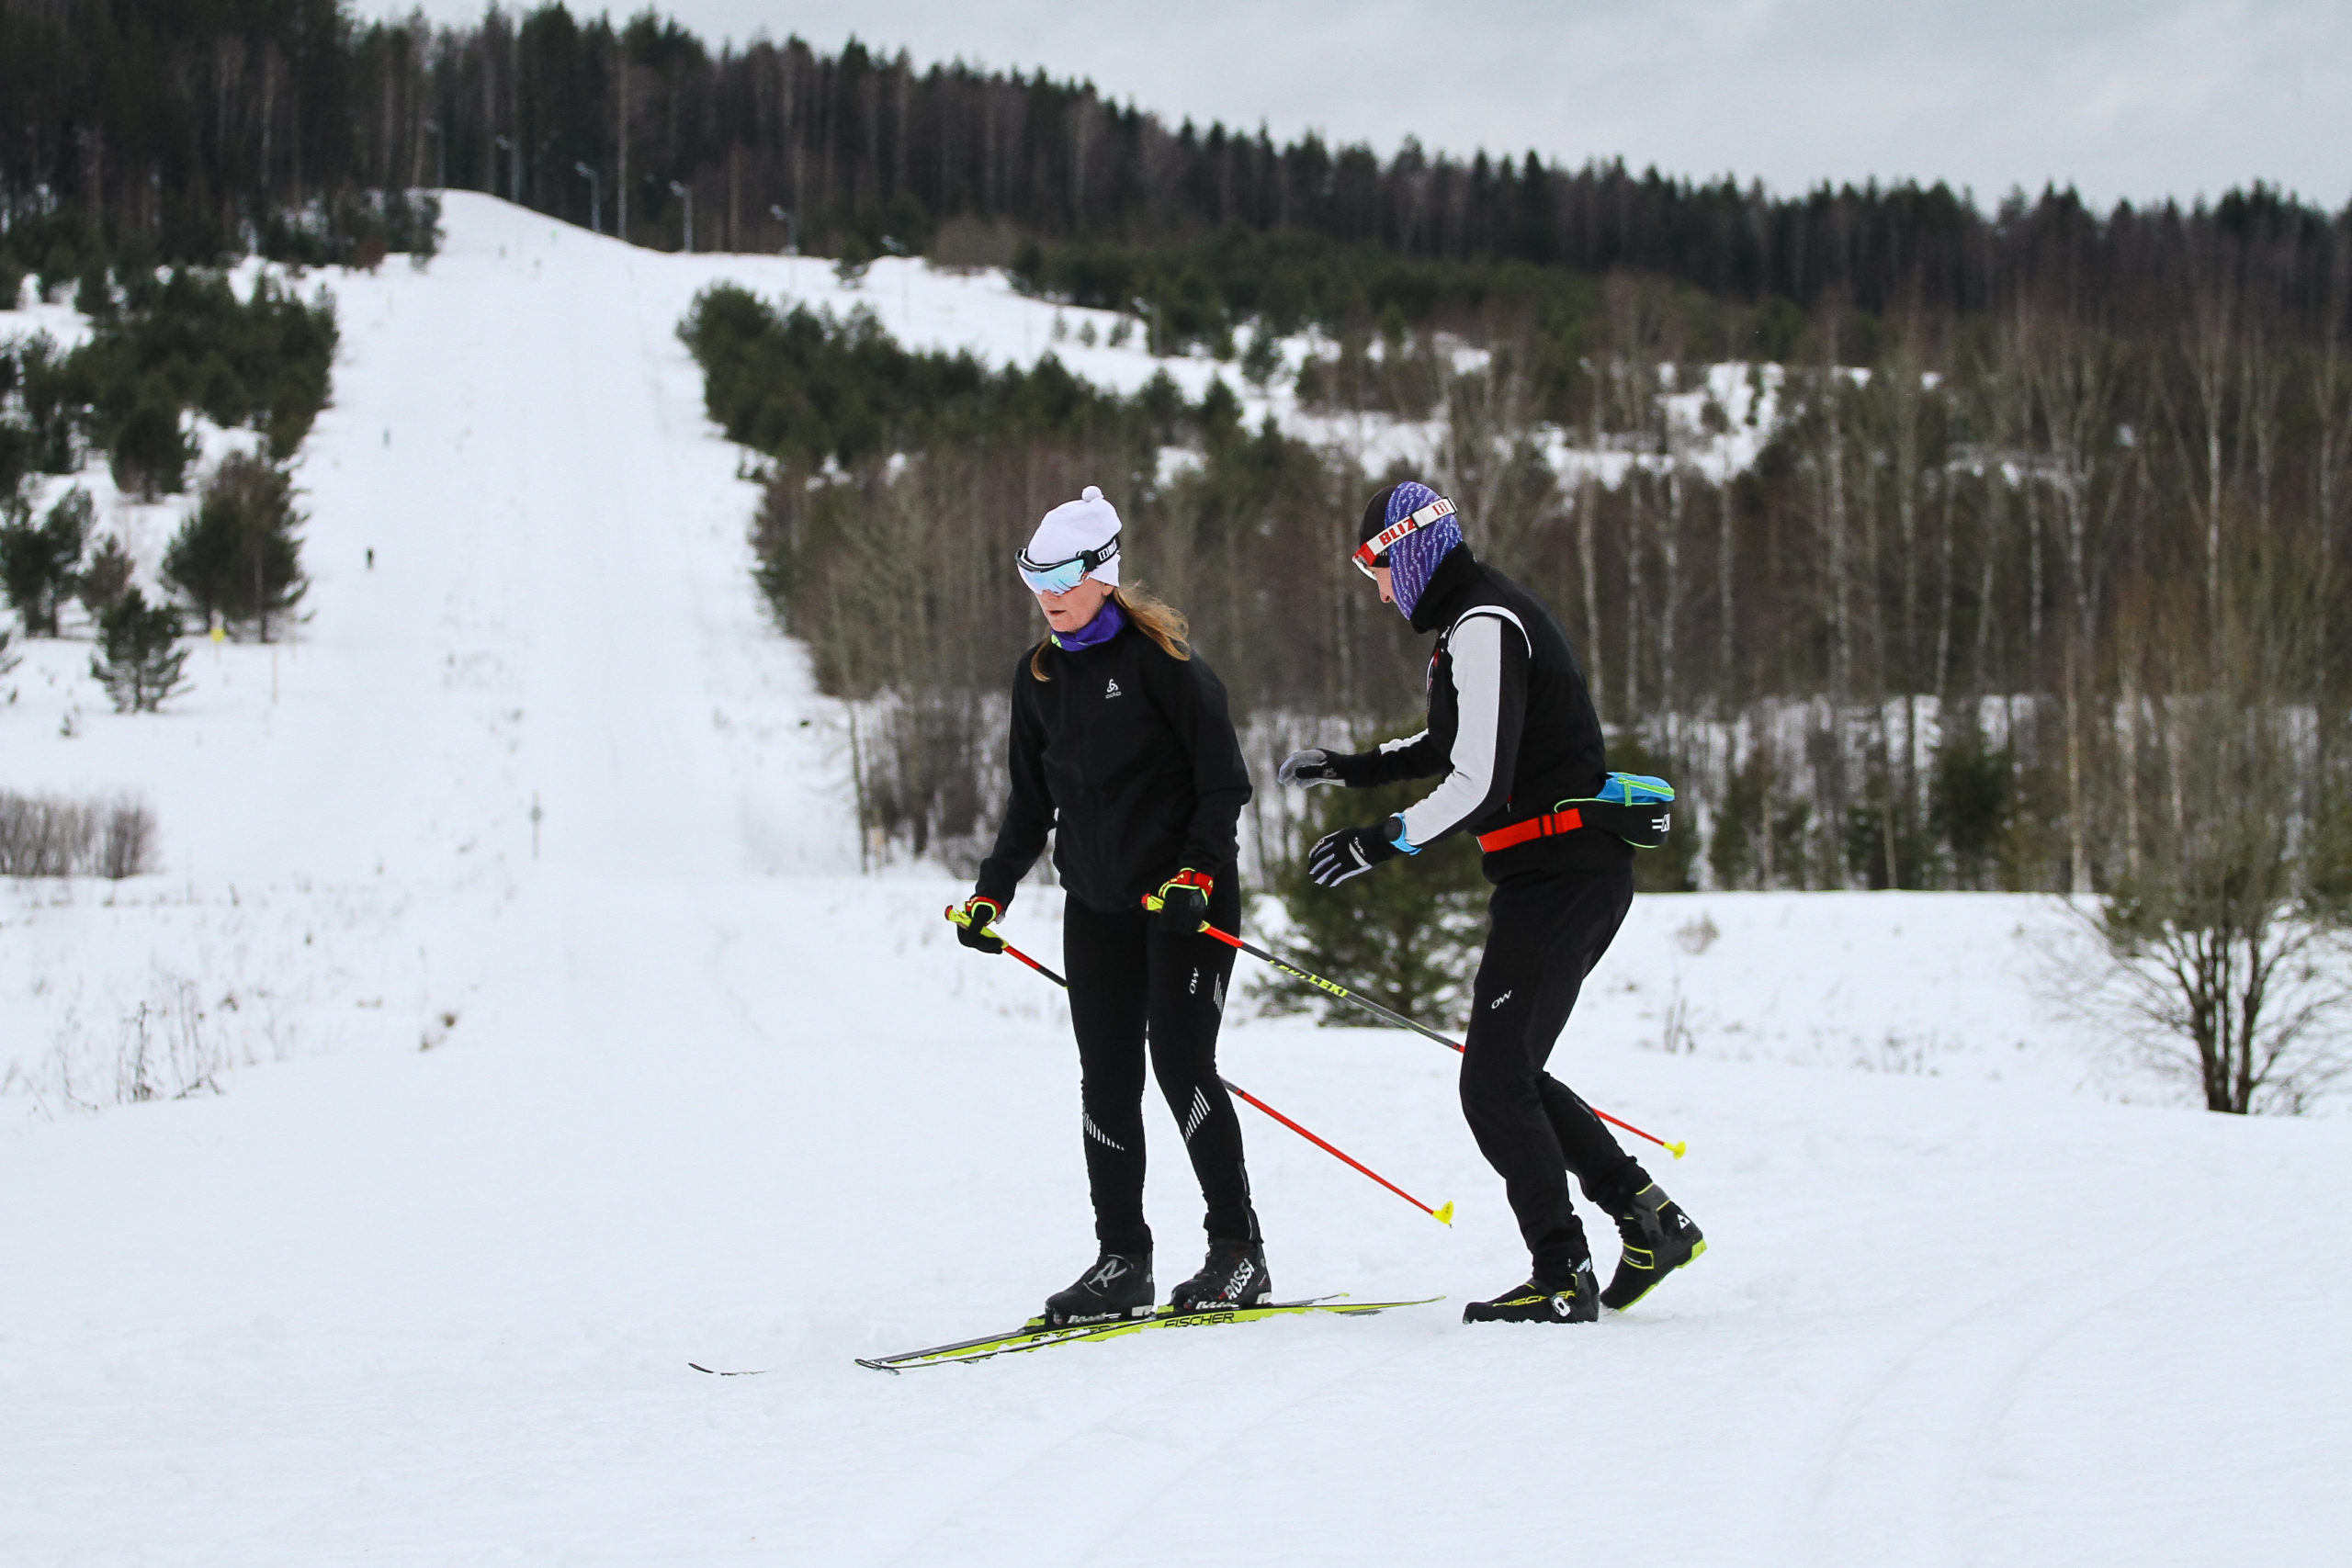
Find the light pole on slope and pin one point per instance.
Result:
(595, 198)
(687, 192)
(791, 229)
(900, 250)
(514, 169)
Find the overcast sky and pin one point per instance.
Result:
(2134, 98)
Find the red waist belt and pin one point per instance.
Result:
(1533, 827)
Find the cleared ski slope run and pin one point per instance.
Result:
(712, 1097)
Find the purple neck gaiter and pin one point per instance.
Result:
(1107, 624)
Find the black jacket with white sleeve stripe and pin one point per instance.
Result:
(1513, 730)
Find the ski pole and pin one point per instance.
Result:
(1442, 1214)
(1345, 994)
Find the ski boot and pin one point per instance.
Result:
(1116, 1287)
(1659, 1238)
(1577, 1301)
(1234, 1276)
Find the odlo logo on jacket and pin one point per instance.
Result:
(1112, 690)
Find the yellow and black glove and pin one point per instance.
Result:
(973, 919)
(1183, 903)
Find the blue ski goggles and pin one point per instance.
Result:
(1061, 576)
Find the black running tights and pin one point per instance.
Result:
(1127, 981)
(1546, 932)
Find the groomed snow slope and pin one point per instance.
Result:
(710, 1096)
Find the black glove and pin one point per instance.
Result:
(972, 922)
(1352, 851)
(1308, 768)
(1183, 903)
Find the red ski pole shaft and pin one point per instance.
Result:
(1442, 1214)
(1674, 1149)
(1334, 988)
(1014, 952)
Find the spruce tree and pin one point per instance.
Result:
(239, 555)
(137, 659)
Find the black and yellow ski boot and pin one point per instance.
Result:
(1234, 1276)
(1116, 1287)
(1659, 1238)
(1577, 1301)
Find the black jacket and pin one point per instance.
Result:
(1512, 725)
(1131, 756)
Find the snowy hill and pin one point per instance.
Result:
(694, 1090)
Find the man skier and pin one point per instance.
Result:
(1512, 728)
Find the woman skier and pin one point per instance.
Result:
(1513, 733)
(1121, 747)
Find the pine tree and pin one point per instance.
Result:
(137, 662)
(1406, 935)
(106, 579)
(151, 452)
(38, 563)
(239, 555)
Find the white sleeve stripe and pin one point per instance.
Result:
(1477, 647)
(1409, 741)
(1500, 614)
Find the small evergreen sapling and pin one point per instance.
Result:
(855, 257)
(106, 579)
(239, 555)
(137, 659)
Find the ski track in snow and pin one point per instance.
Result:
(711, 1096)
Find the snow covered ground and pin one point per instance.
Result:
(507, 1139)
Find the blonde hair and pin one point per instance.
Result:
(1152, 615)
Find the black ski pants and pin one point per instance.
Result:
(1126, 982)
(1546, 932)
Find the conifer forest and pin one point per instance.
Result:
(1925, 537)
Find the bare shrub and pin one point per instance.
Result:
(126, 844)
(163, 1052)
(49, 836)
(2226, 946)
(41, 835)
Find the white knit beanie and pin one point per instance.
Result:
(1076, 526)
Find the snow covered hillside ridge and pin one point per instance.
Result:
(516, 435)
